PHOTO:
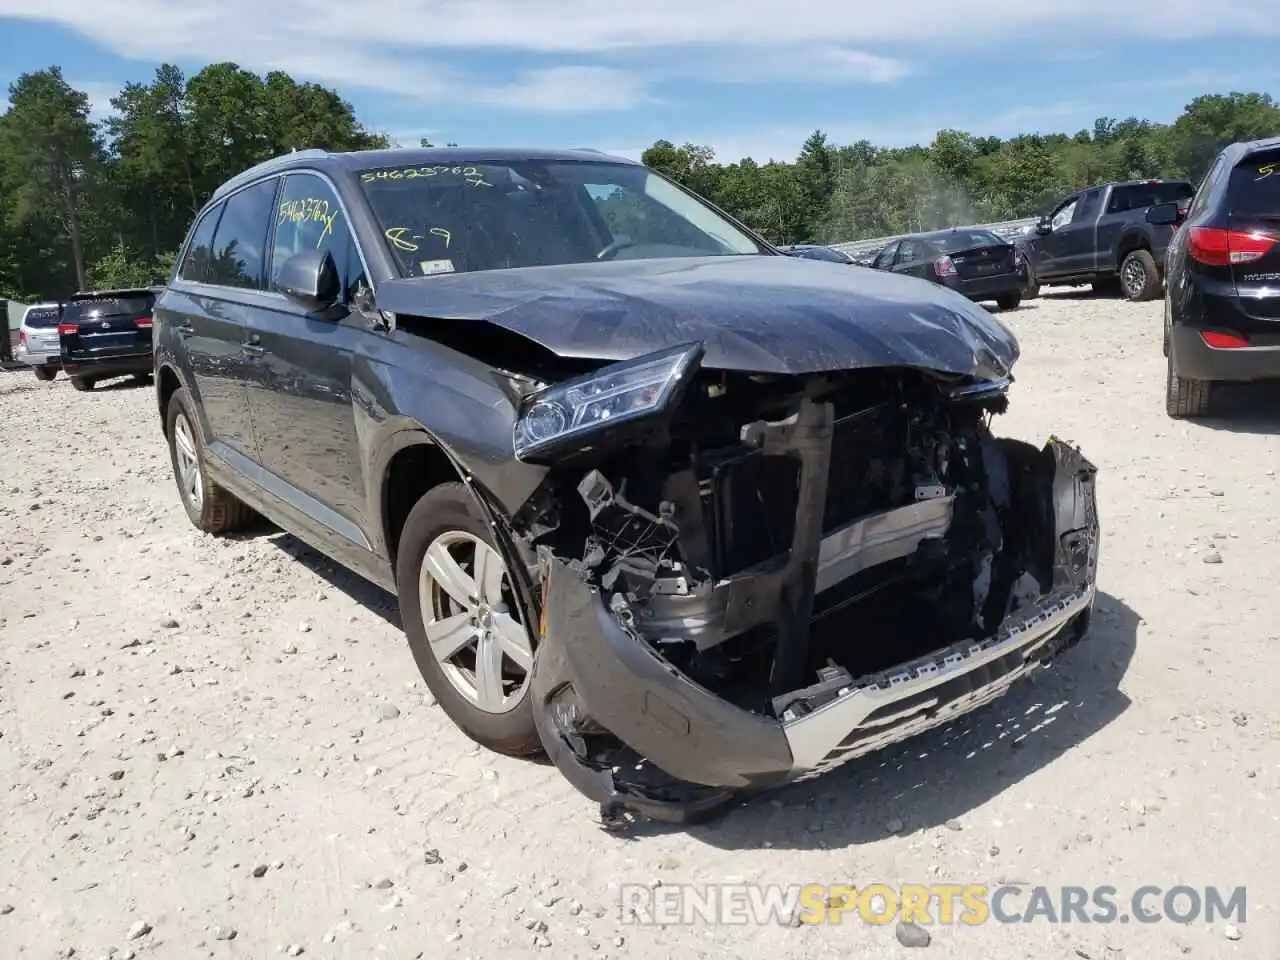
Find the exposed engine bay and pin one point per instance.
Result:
(787, 540)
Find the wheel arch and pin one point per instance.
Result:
(416, 461)
(167, 384)
(1130, 241)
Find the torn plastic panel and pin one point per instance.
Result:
(738, 607)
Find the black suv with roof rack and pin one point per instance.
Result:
(1222, 299)
(1101, 235)
(107, 333)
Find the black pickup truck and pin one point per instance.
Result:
(1100, 235)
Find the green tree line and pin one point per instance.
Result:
(85, 204)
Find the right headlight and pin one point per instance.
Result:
(604, 407)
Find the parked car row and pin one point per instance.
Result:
(90, 336)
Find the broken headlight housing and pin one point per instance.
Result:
(617, 403)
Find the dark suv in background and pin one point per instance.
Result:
(105, 334)
(1222, 299)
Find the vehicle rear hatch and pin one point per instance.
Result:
(40, 324)
(1252, 244)
(103, 326)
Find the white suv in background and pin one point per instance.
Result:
(38, 344)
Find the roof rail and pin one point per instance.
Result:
(267, 166)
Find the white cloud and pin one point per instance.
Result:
(99, 95)
(563, 89)
(613, 46)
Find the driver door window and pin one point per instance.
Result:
(908, 253)
(884, 259)
(1064, 214)
(309, 217)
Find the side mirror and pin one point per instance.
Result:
(1164, 214)
(1044, 227)
(310, 278)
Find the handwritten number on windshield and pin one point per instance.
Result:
(401, 239)
(470, 174)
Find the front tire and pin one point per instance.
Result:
(1139, 276)
(464, 622)
(45, 374)
(1009, 301)
(1184, 399)
(209, 507)
(83, 384)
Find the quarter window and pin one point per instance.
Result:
(239, 242)
(199, 257)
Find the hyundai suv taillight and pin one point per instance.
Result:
(66, 328)
(1216, 247)
(144, 322)
(944, 267)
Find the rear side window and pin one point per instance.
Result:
(910, 251)
(1255, 184)
(239, 243)
(124, 305)
(1139, 196)
(41, 317)
(199, 259)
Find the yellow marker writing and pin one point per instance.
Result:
(309, 210)
(396, 236)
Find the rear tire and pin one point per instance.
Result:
(1009, 301)
(447, 517)
(1186, 399)
(1139, 276)
(45, 374)
(209, 507)
(83, 384)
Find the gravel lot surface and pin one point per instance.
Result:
(222, 748)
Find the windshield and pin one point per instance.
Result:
(493, 216)
(953, 241)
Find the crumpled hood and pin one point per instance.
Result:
(762, 314)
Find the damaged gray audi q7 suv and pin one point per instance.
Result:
(693, 517)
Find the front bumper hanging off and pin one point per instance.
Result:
(593, 677)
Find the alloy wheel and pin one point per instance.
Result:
(190, 478)
(468, 611)
(1134, 276)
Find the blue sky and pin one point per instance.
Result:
(747, 77)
